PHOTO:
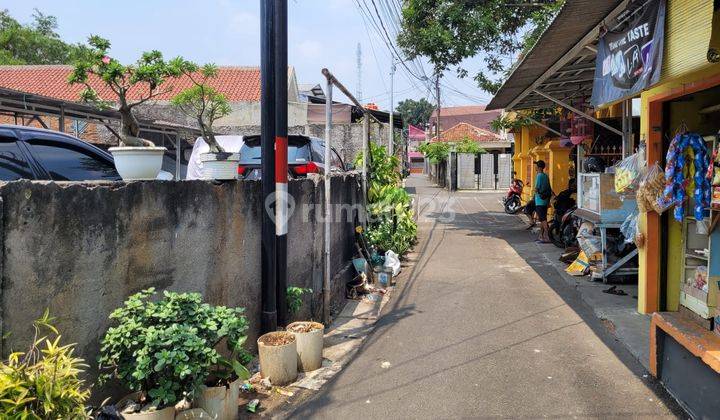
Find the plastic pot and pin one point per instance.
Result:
(220, 402)
(138, 163)
(278, 357)
(309, 344)
(220, 166)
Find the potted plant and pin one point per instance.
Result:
(308, 334)
(132, 85)
(165, 350)
(221, 390)
(278, 357)
(206, 105)
(43, 382)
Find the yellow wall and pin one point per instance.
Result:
(687, 34)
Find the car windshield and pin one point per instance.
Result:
(297, 153)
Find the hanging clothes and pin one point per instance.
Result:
(687, 147)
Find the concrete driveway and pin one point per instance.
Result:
(481, 327)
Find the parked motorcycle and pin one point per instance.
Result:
(512, 201)
(564, 226)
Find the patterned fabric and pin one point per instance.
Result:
(684, 148)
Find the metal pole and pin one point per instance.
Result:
(366, 139)
(267, 156)
(281, 157)
(391, 139)
(178, 155)
(326, 178)
(437, 116)
(61, 120)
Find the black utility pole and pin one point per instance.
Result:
(281, 151)
(267, 156)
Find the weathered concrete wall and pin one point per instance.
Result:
(466, 171)
(82, 249)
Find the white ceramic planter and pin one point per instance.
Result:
(138, 163)
(221, 169)
(278, 363)
(309, 345)
(220, 402)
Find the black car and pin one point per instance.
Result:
(35, 153)
(305, 155)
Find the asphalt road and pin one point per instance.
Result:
(483, 327)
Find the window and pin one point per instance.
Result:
(12, 162)
(64, 163)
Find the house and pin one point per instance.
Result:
(241, 86)
(475, 115)
(487, 139)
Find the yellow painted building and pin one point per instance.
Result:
(687, 34)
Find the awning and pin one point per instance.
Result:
(562, 62)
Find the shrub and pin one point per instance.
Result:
(43, 383)
(435, 152)
(166, 349)
(469, 146)
(392, 226)
(294, 298)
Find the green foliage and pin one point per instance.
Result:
(145, 77)
(436, 151)
(469, 146)
(202, 102)
(166, 349)
(392, 225)
(34, 43)
(43, 383)
(449, 31)
(294, 298)
(414, 112)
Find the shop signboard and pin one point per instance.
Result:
(629, 57)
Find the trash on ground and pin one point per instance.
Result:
(283, 391)
(253, 405)
(385, 365)
(613, 290)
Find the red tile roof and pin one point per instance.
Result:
(475, 115)
(239, 84)
(462, 131)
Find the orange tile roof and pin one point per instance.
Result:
(239, 84)
(461, 131)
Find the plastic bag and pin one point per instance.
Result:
(650, 188)
(629, 227)
(628, 173)
(392, 261)
(589, 243)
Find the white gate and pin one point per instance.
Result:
(504, 171)
(487, 171)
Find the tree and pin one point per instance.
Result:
(414, 112)
(147, 76)
(203, 103)
(35, 43)
(449, 31)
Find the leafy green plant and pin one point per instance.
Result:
(392, 225)
(468, 146)
(294, 298)
(166, 349)
(436, 151)
(202, 102)
(145, 79)
(43, 382)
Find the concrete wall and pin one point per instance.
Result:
(82, 249)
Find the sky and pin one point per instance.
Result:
(321, 33)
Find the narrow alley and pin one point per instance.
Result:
(483, 326)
